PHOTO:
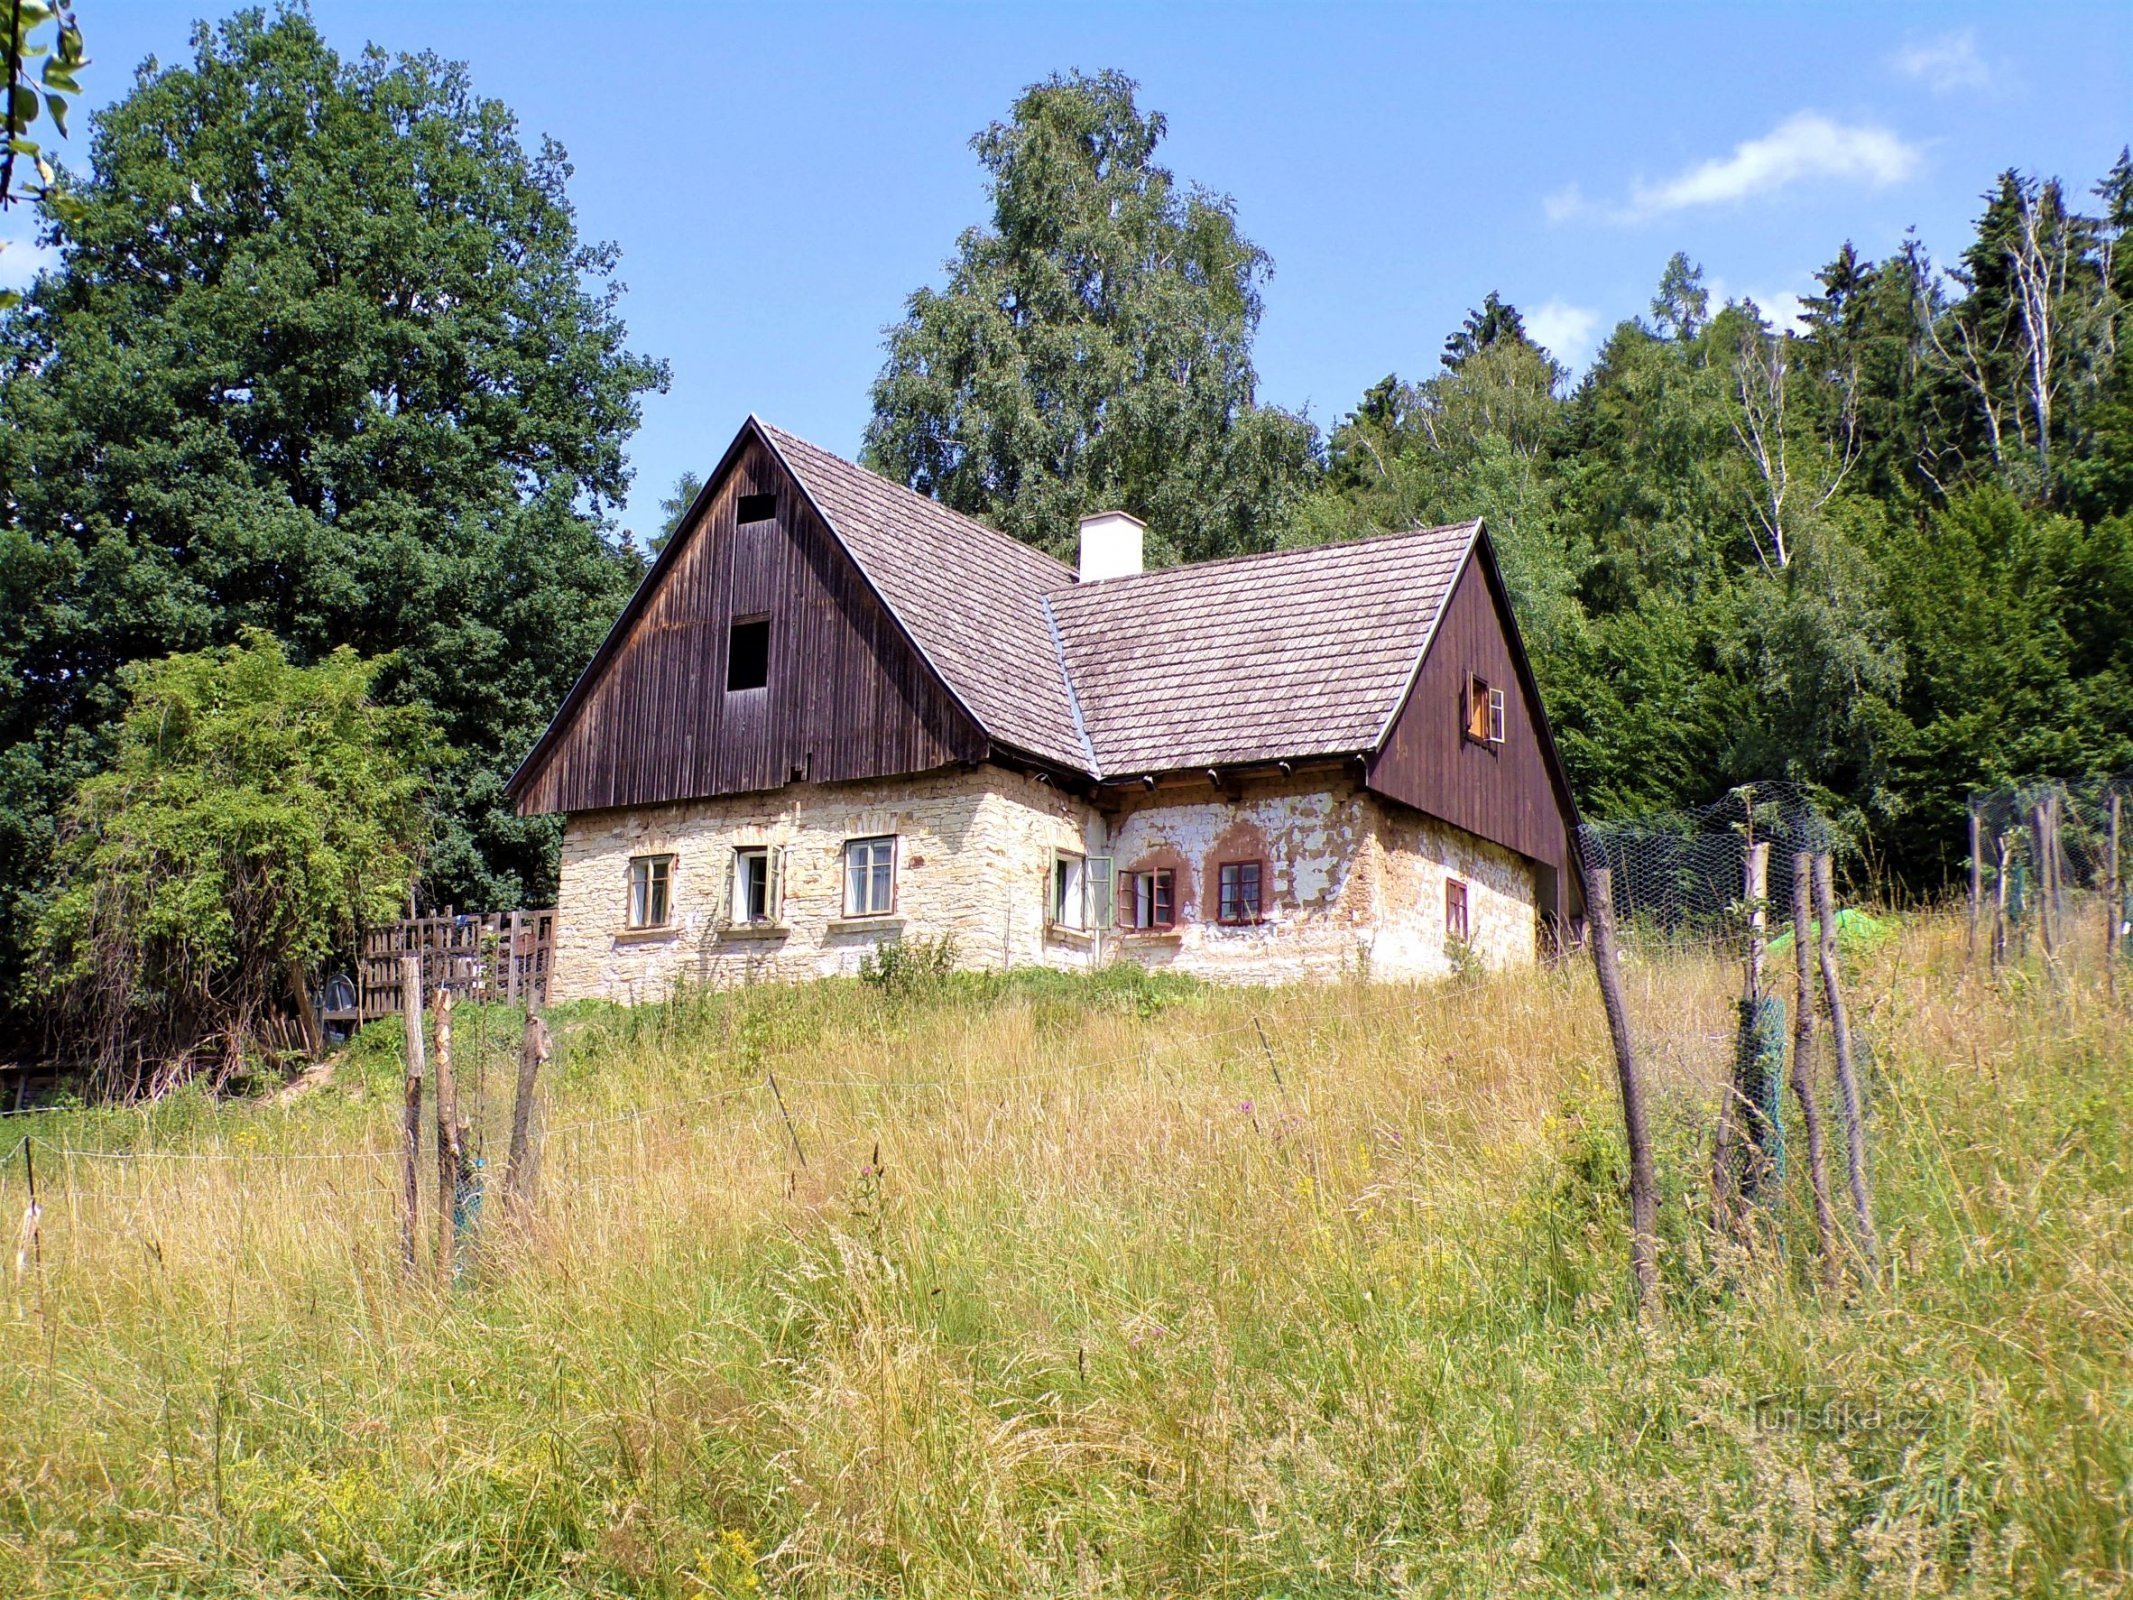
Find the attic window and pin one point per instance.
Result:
(756, 508)
(1484, 711)
(748, 654)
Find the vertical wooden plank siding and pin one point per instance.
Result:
(848, 697)
(1502, 792)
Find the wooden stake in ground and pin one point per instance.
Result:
(1803, 1081)
(518, 1165)
(1977, 880)
(1840, 1034)
(2042, 850)
(1643, 1193)
(2112, 910)
(411, 1152)
(447, 1140)
(1999, 903)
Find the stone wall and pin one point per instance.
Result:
(974, 858)
(1354, 883)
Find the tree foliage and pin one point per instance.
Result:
(1092, 346)
(253, 817)
(1888, 551)
(323, 356)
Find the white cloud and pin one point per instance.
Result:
(1565, 331)
(1803, 147)
(1945, 64)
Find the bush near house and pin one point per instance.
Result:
(255, 815)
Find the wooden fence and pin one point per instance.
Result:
(499, 955)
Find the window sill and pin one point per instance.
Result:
(1060, 933)
(647, 935)
(1150, 935)
(754, 930)
(880, 922)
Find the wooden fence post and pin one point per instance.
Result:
(518, 1166)
(1999, 902)
(1803, 1084)
(1840, 1034)
(2111, 893)
(447, 1140)
(511, 980)
(411, 1152)
(1643, 1194)
(1977, 879)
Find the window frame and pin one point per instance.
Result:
(741, 912)
(1223, 898)
(1155, 890)
(1458, 911)
(756, 506)
(1068, 903)
(733, 627)
(870, 842)
(1483, 719)
(658, 874)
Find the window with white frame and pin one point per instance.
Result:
(870, 876)
(1070, 892)
(651, 891)
(756, 886)
(1484, 711)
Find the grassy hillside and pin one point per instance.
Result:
(1118, 1287)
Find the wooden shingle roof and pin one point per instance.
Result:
(1257, 658)
(1282, 656)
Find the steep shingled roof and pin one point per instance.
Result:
(971, 597)
(1270, 657)
(1256, 658)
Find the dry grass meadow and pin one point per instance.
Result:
(1095, 1287)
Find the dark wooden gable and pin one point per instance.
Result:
(848, 695)
(1512, 794)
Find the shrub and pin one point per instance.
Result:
(256, 815)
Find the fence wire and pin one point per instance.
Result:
(2040, 847)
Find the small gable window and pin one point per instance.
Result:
(1455, 924)
(755, 508)
(748, 654)
(651, 890)
(1484, 711)
(1237, 891)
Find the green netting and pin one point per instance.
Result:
(1759, 1084)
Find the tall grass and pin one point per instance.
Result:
(1094, 1286)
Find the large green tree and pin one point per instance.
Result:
(1092, 346)
(323, 356)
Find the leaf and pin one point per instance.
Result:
(58, 75)
(23, 147)
(25, 107)
(58, 108)
(9, 299)
(44, 171)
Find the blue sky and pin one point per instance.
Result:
(780, 177)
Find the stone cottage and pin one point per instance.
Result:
(836, 714)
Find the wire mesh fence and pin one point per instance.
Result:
(1739, 894)
(2048, 866)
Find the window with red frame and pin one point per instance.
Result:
(1148, 900)
(1455, 910)
(1237, 886)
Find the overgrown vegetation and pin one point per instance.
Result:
(255, 815)
(1090, 1286)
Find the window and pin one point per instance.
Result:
(755, 508)
(651, 879)
(1070, 901)
(870, 877)
(1148, 899)
(755, 883)
(1455, 910)
(1237, 884)
(1484, 711)
(748, 654)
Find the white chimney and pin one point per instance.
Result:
(1110, 545)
